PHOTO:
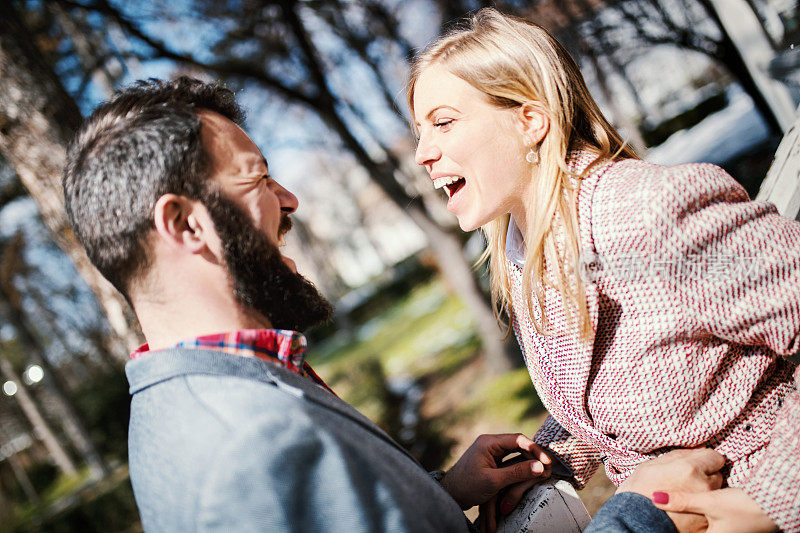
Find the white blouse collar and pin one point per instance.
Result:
(515, 245)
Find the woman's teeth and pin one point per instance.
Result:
(438, 183)
(451, 184)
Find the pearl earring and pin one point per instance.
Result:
(532, 157)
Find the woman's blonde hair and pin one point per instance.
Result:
(513, 61)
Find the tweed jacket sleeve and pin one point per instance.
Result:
(580, 458)
(775, 482)
(734, 264)
(734, 267)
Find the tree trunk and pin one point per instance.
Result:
(37, 120)
(74, 429)
(40, 426)
(318, 253)
(447, 250)
(11, 264)
(634, 137)
(457, 272)
(19, 471)
(445, 246)
(589, 49)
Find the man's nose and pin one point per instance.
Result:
(288, 201)
(427, 152)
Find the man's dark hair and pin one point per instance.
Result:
(143, 143)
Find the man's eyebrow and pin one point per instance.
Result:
(254, 168)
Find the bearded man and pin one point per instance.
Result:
(230, 429)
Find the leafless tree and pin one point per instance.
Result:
(37, 119)
(283, 56)
(11, 264)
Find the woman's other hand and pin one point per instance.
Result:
(728, 510)
(686, 471)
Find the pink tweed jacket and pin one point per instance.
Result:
(694, 297)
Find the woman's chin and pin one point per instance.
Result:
(468, 225)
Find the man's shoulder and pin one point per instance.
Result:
(190, 422)
(219, 449)
(212, 391)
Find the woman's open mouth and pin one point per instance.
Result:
(452, 184)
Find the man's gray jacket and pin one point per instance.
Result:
(220, 442)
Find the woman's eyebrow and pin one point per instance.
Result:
(437, 108)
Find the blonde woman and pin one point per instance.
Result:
(653, 304)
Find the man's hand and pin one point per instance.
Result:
(727, 510)
(688, 471)
(476, 478)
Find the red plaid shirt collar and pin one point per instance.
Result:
(283, 347)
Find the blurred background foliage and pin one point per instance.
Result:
(414, 344)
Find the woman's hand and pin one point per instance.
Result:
(688, 471)
(728, 510)
(695, 470)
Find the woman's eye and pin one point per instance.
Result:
(443, 123)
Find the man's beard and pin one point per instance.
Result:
(261, 281)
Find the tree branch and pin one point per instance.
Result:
(233, 68)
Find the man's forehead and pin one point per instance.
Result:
(223, 136)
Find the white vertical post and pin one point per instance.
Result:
(746, 32)
(782, 184)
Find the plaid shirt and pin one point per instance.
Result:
(283, 347)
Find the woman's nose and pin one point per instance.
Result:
(427, 152)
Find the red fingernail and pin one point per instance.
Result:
(661, 497)
(505, 508)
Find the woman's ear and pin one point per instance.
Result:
(179, 224)
(533, 121)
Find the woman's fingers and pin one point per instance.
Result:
(708, 460)
(715, 481)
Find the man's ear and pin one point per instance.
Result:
(178, 223)
(533, 122)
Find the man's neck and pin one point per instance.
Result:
(166, 323)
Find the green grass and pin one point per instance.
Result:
(427, 331)
(107, 505)
(510, 398)
(62, 486)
